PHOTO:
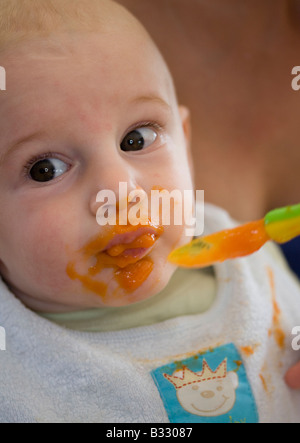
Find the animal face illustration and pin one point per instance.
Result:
(209, 398)
(208, 393)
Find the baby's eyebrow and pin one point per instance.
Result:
(151, 99)
(34, 136)
(41, 134)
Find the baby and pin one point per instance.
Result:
(100, 327)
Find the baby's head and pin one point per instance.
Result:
(89, 103)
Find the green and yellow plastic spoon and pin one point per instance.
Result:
(280, 225)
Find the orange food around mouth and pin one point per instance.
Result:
(130, 272)
(99, 288)
(131, 277)
(145, 242)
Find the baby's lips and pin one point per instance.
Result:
(142, 237)
(115, 238)
(137, 248)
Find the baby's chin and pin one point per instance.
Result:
(158, 279)
(155, 283)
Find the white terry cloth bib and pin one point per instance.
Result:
(225, 365)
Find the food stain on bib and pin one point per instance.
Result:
(125, 249)
(276, 330)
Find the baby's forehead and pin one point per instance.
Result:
(49, 79)
(119, 60)
(47, 30)
(98, 31)
(27, 21)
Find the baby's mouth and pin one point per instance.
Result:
(122, 246)
(129, 247)
(133, 243)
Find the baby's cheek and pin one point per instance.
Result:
(177, 237)
(46, 251)
(47, 264)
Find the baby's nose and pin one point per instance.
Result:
(207, 394)
(115, 193)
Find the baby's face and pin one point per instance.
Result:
(96, 114)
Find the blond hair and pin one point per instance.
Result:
(26, 19)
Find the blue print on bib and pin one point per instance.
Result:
(210, 387)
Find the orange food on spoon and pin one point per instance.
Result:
(280, 225)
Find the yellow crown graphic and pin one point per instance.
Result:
(189, 377)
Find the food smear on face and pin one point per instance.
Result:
(94, 286)
(131, 277)
(125, 249)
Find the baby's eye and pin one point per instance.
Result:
(47, 169)
(138, 139)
